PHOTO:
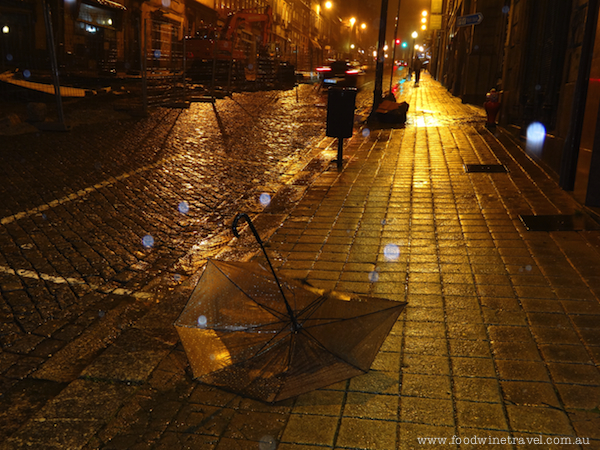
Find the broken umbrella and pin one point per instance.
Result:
(248, 331)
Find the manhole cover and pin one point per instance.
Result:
(485, 168)
(558, 222)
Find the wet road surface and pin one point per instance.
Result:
(103, 229)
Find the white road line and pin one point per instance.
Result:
(70, 281)
(82, 193)
(41, 276)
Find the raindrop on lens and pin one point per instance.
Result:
(157, 54)
(9, 57)
(391, 252)
(267, 443)
(183, 207)
(536, 134)
(177, 277)
(202, 321)
(373, 276)
(505, 9)
(528, 268)
(265, 199)
(166, 3)
(366, 132)
(26, 73)
(148, 241)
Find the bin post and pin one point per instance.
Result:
(340, 153)
(341, 102)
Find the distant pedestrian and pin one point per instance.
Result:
(417, 65)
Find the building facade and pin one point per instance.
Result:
(544, 57)
(107, 35)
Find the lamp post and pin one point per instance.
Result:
(352, 22)
(396, 42)
(378, 90)
(361, 39)
(414, 35)
(328, 6)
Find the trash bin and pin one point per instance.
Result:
(341, 103)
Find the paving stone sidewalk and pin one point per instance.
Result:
(500, 341)
(501, 336)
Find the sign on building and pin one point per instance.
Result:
(471, 19)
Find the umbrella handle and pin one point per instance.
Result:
(246, 217)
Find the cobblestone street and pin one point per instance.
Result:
(104, 231)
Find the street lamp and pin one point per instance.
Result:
(352, 22)
(329, 22)
(414, 35)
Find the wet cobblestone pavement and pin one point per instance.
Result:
(103, 232)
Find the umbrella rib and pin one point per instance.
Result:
(259, 240)
(310, 336)
(266, 344)
(249, 328)
(276, 313)
(337, 319)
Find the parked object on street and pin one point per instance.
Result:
(341, 73)
(492, 106)
(246, 330)
(390, 111)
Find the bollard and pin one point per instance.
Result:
(341, 102)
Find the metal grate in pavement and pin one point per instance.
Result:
(559, 222)
(485, 168)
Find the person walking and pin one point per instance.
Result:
(417, 66)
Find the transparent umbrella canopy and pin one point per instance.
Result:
(246, 330)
